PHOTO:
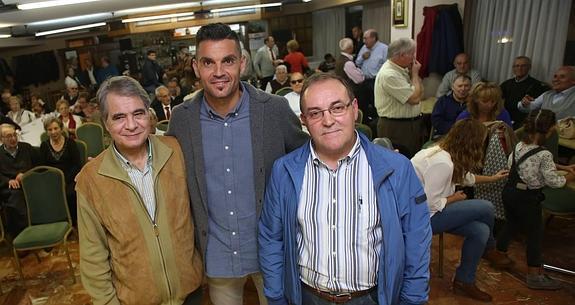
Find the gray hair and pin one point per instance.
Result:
(157, 91)
(6, 126)
(122, 86)
(281, 67)
(321, 77)
(400, 46)
(345, 43)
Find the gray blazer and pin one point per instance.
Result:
(275, 131)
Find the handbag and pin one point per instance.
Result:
(566, 128)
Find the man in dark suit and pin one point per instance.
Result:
(176, 93)
(163, 104)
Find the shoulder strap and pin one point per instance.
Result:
(527, 155)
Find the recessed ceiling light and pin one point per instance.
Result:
(5, 35)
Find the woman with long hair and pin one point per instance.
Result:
(443, 167)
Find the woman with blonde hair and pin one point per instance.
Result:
(296, 60)
(440, 169)
(485, 104)
(17, 114)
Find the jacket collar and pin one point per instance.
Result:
(380, 168)
(112, 167)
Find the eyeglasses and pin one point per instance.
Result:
(337, 109)
(520, 66)
(295, 81)
(10, 136)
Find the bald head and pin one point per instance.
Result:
(564, 78)
(370, 37)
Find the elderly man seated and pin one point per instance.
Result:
(449, 106)
(560, 99)
(296, 82)
(281, 80)
(15, 159)
(462, 67)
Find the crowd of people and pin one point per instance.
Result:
(279, 187)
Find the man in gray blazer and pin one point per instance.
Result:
(231, 133)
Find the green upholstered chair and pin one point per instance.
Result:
(49, 222)
(283, 91)
(93, 135)
(558, 202)
(2, 239)
(43, 137)
(384, 142)
(83, 150)
(163, 125)
(365, 130)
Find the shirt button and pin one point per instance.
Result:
(227, 170)
(226, 124)
(229, 191)
(234, 233)
(333, 227)
(333, 254)
(232, 213)
(226, 147)
(333, 201)
(235, 252)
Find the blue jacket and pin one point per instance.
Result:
(403, 275)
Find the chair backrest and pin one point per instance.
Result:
(163, 125)
(44, 136)
(359, 116)
(366, 130)
(93, 135)
(83, 150)
(384, 142)
(283, 91)
(45, 194)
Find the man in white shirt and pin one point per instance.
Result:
(296, 83)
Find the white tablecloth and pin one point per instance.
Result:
(31, 132)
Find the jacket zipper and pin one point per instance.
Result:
(156, 233)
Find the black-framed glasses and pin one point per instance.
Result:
(337, 109)
(294, 81)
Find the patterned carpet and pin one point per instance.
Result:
(48, 282)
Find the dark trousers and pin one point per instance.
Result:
(264, 81)
(523, 214)
(14, 205)
(405, 135)
(365, 99)
(195, 298)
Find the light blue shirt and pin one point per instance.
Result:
(229, 168)
(536, 104)
(369, 67)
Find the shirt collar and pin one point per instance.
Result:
(567, 91)
(349, 56)
(245, 96)
(353, 153)
(521, 79)
(398, 67)
(125, 163)
(13, 154)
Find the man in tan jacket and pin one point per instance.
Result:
(134, 218)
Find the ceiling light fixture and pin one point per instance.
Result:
(5, 36)
(227, 9)
(166, 16)
(156, 8)
(44, 4)
(74, 28)
(72, 19)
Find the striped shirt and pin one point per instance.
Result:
(392, 89)
(143, 180)
(339, 237)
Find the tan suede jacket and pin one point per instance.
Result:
(126, 258)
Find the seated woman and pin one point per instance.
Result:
(70, 121)
(17, 114)
(486, 104)
(61, 152)
(440, 168)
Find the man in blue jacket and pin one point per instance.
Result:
(344, 221)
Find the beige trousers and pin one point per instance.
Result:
(230, 291)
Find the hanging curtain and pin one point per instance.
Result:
(500, 30)
(376, 15)
(328, 29)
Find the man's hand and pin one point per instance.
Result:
(13, 184)
(526, 101)
(415, 67)
(366, 55)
